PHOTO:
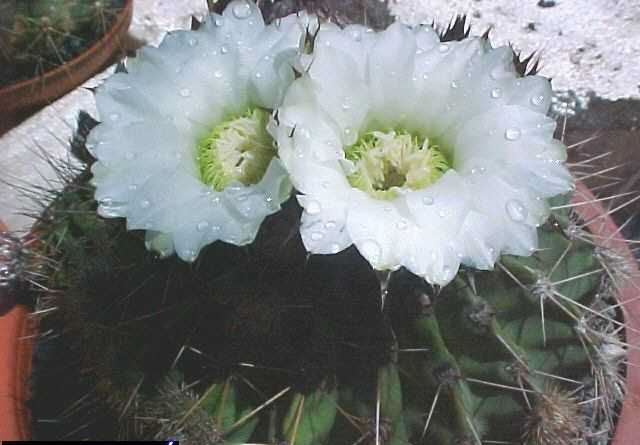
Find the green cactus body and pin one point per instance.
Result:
(45, 34)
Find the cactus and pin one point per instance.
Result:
(43, 34)
(265, 345)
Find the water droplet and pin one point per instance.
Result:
(496, 73)
(330, 225)
(185, 92)
(313, 207)
(442, 213)
(496, 93)
(316, 236)
(193, 42)
(516, 210)
(241, 198)
(242, 10)
(224, 49)
(427, 200)
(512, 134)
(188, 255)
(215, 200)
(443, 48)
(537, 100)
(348, 131)
(202, 225)
(219, 21)
(346, 107)
(402, 225)
(215, 228)
(133, 187)
(357, 36)
(425, 76)
(454, 84)
(419, 51)
(258, 75)
(145, 204)
(371, 251)
(114, 116)
(217, 74)
(268, 199)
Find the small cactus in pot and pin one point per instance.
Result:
(41, 35)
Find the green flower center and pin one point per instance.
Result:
(386, 161)
(238, 149)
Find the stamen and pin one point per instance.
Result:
(386, 162)
(237, 150)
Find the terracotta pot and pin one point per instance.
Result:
(29, 94)
(17, 331)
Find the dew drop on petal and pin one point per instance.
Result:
(258, 75)
(193, 42)
(537, 100)
(242, 10)
(219, 21)
(313, 207)
(454, 84)
(496, 93)
(145, 204)
(188, 255)
(427, 200)
(442, 213)
(371, 251)
(224, 49)
(402, 225)
(512, 134)
(217, 74)
(516, 210)
(202, 225)
(185, 92)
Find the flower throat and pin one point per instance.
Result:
(386, 161)
(236, 150)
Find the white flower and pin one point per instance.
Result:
(182, 149)
(422, 154)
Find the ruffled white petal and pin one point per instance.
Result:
(154, 115)
(465, 96)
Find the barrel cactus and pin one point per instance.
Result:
(261, 342)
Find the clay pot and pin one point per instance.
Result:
(17, 333)
(28, 95)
